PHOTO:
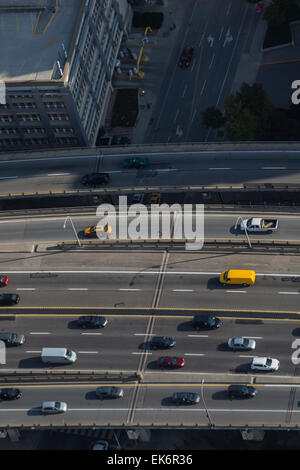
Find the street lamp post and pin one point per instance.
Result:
(64, 226)
(206, 410)
(246, 232)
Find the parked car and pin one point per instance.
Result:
(91, 321)
(171, 362)
(241, 391)
(241, 343)
(206, 322)
(138, 163)
(265, 363)
(9, 299)
(94, 231)
(186, 398)
(161, 342)
(109, 392)
(95, 179)
(10, 394)
(12, 339)
(99, 445)
(120, 140)
(54, 407)
(3, 280)
(186, 57)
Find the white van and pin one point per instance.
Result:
(58, 356)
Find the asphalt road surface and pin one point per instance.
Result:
(165, 169)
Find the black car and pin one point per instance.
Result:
(12, 339)
(94, 179)
(92, 322)
(109, 392)
(9, 299)
(241, 391)
(208, 322)
(162, 342)
(120, 140)
(185, 398)
(10, 393)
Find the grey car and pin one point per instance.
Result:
(241, 343)
(109, 392)
(12, 339)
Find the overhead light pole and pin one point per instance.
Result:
(64, 226)
(246, 232)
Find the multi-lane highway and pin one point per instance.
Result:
(208, 168)
(217, 225)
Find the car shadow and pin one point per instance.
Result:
(154, 366)
(73, 325)
(220, 395)
(213, 283)
(224, 347)
(146, 346)
(91, 395)
(36, 363)
(186, 326)
(35, 411)
(242, 368)
(296, 332)
(235, 231)
(167, 401)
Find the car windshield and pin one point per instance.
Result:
(269, 362)
(13, 337)
(57, 404)
(211, 321)
(174, 360)
(69, 353)
(249, 223)
(2, 278)
(246, 342)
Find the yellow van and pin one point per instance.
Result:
(238, 277)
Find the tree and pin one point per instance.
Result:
(275, 15)
(212, 117)
(247, 113)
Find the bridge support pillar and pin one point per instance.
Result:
(253, 434)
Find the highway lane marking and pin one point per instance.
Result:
(91, 334)
(143, 334)
(247, 356)
(129, 290)
(58, 174)
(183, 290)
(198, 336)
(34, 351)
(39, 333)
(143, 352)
(193, 354)
(176, 114)
(25, 288)
(150, 385)
(202, 89)
(211, 61)
(288, 292)
(220, 168)
(236, 291)
(253, 337)
(88, 352)
(274, 168)
(8, 177)
(184, 90)
(164, 409)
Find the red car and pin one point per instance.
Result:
(3, 280)
(186, 57)
(170, 362)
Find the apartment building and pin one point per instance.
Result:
(57, 61)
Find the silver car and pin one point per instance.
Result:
(241, 343)
(54, 407)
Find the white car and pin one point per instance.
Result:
(241, 343)
(54, 407)
(265, 363)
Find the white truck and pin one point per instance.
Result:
(257, 224)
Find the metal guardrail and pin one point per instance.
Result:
(67, 376)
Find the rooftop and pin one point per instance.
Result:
(33, 41)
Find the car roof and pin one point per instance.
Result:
(259, 360)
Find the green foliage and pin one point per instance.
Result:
(212, 117)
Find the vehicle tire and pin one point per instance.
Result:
(245, 285)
